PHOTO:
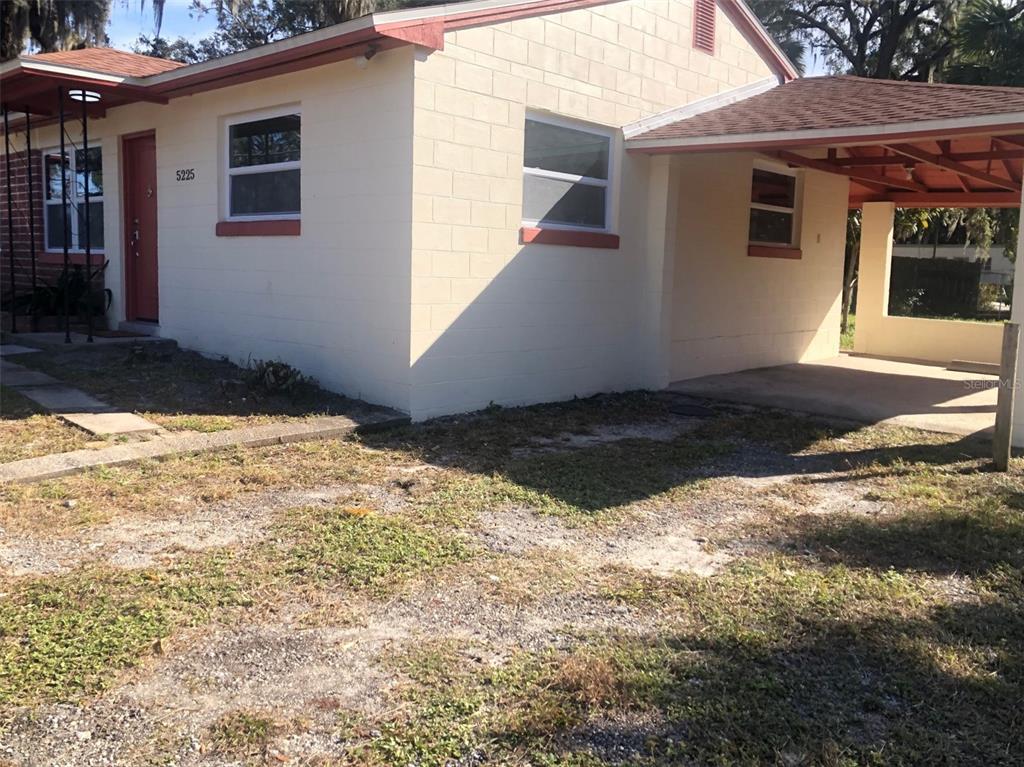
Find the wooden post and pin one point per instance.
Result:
(1003, 437)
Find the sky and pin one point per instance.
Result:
(128, 20)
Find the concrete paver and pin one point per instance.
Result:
(59, 398)
(107, 424)
(17, 375)
(9, 350)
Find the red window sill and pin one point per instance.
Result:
(531, 235)
(285, 227)
(773, 251)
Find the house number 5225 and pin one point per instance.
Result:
(186, 174)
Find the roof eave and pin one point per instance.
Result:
(1010, 122)
(423, 26)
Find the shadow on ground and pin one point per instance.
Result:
(158, 378)
(515, 445)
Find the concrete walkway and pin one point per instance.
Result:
(9, 350)
(864, 389)
(71, 404)
(61, 464)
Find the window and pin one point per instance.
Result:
(704, 26)
(772, 207)
(566, 175)
(263, 167)
(81, 171)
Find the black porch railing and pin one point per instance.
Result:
(30, 304)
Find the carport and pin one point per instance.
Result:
(898, 144)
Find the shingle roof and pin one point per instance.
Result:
(107, 61)
(814, 103)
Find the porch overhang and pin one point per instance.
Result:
(967, 150)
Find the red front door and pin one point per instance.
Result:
(139, 157)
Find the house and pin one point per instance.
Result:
(505, 201)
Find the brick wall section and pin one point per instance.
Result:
(493, 320)
(47, 270)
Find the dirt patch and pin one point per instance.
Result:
(140, 543)
(657, 431)
(301, 675)
(658, 541)
(165, 709)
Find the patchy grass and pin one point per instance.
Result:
(773, 663)
(27, 431)
(940, 522)
(888, 632)
(360, 549)
(179, 389)
(66, 636)
(155, 489)
(242, 734)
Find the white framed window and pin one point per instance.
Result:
(82, 171)
(262, 173)
(773, 205)
(567, 175)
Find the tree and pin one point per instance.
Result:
(885, 39)
(989, 45)
(51, 25)
(782, 28)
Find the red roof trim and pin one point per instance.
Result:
(499, 15)
(742, 17)
(385, 31)
(429, 35)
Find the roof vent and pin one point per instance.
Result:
(704, 25)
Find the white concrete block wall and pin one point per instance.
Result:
(731, 311)
(496, 321)
(333, 301)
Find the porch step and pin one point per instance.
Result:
(967, 366)
(142, 328)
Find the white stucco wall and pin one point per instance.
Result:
(496, 321)
(731, 311)
(333, 301)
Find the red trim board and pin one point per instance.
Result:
(531, 235)
(277, 227)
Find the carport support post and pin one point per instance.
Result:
(1002, 436)
(1017, 316)
(876, 227)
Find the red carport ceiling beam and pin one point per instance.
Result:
(942, 199)
(959, 168)
(861, 176)
(996, 154)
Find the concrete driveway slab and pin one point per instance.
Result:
(865, 389)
